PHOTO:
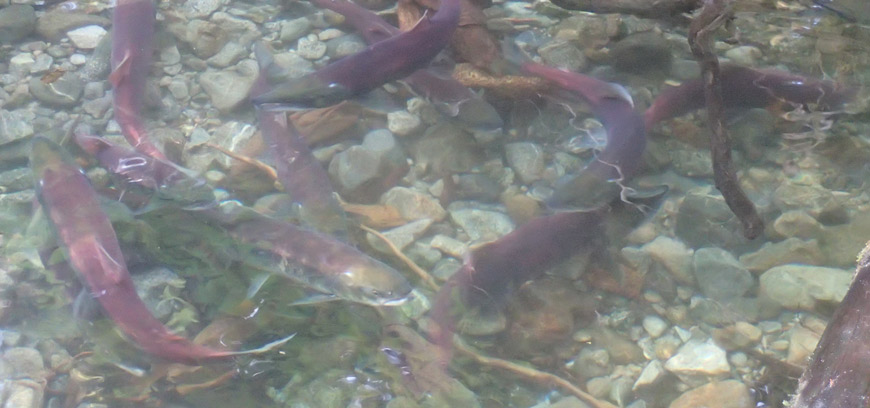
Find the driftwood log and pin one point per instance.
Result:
(839, 372)
(712, 16)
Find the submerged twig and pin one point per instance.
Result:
(712, 16)
(642, 8)
(538, 376)
(421, 273)
(263, 167)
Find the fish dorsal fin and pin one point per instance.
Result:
(121, 71)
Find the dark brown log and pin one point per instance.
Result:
(839, 372)
(712, 16)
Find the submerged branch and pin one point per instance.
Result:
(641, 8)
(712, 16)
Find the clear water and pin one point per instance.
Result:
(603, 326)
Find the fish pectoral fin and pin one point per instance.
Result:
(315, 299)
(121, 71)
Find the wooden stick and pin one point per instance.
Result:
(540, 377)
(712, 16)
(265, 168)
(537, 376)
(420, 272)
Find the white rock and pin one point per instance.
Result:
(696, 361)
(674, 255)
(78, 59)
(801, 286)
(654, 325)
(86, 37)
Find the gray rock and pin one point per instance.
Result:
(344, 46)
(86, 37)
(720, 275)
(26, 363)
(674, 256)
(526, 159)
(642, 52)
(401, 236)
(56, 23)
(703, 219)
(355, 168)
(16, 22)
(98, 107)
(696, 362)
(817, 201)
(477, 187)
(592, 362)
(482, 322)
(231, 53)
(179, 89)
(20, 64)
(98, 64)
(227, 89)
(796, 224)
(403, 123)
(15, 125)
(445, 268)
(205, 37)
(651, 375)
(42, 64)
(170, 55)
(564, 55)
(449, 246)
(745, 55)
(802, 286)
(718, 394)
(64, 92)
(201, 8)
(292, 30)
(293, 65)
(423, 255)
(684, 70)
(446, 149)
(792, 250)
(692, 162)
(654, 325)
(16, 180)
(311, 48)
(482, 225)
(566, 402)
(413, 205)
(21, 395)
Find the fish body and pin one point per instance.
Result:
(148, 174)
(304, 179)
(493, 269)
(317, 260)
(448, 95)
(744, 87)
(621, 157)
(132, 36)
(93, 251)
(387, 60)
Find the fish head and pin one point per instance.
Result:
(373, 283)
(47, 157)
